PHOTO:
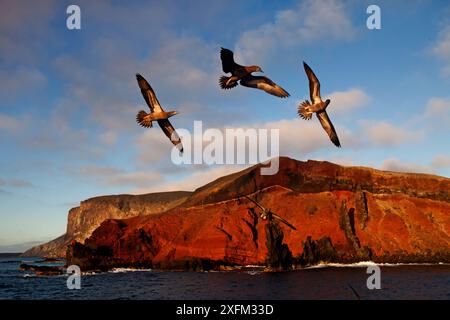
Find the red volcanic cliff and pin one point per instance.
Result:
(342, 214)
(83, 220)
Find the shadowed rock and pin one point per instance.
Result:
(318, 251)
(279, 257)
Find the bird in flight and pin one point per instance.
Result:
(156, 113)
(244, 75)
(306, 109)
(268, 214)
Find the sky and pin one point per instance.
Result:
(68, 98)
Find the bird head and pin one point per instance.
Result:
(256, 69)
(327, 102)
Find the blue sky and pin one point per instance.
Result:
(69, 98)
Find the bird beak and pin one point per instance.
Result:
(261, 71)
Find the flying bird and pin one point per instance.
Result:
(268, 214)
(156, 113)
(243, 74)
(317, 105)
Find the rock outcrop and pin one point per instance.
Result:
(83, 220)
(342, 214)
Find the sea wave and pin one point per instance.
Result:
(253, 272)
(28, 275)
(365, 264)
(254, 266)
(122, 270)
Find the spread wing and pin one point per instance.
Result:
(314, 85)
(275, 216)
(265, 84)
(228, 64)
(148, 94)
(255, 202)
(170, 132)
(328, 126)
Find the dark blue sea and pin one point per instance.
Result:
(325, 282)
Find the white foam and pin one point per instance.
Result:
(254, 266)
(27, 275)
(253, 273)
(122, 270)
(365, 264)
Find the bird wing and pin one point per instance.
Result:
(148, 94)
(328, 126)
(314, 85)
(275, 216)
(255, 202)
(170, 132)
(228, 64)
(265, 84)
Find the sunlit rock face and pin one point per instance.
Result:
(83, 220)
(342, 214)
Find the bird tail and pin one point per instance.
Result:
(225, 83)
(304, 110)
(143, 119)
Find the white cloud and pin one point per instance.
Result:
(441, 161)
(298, 136)
(438, 163)
(344, 161)
(21, 80)
(385, 134)
(92, 170)
(138, 179)
(108, 137)
(194, 181)
(9, 123)
(16, 183)
(178, 69)
(345, 101)
(110, 176)
(310, 22)
(184, 65)
(438, 107)
(23, 26)
(56, 133)
(153, 146)
(441, 49)
(394, 164)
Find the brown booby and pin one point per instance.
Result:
(306, 109)
(244, 75)
(156, 113)
(268, 214)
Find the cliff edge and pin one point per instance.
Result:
(83, 220)
(342, 214)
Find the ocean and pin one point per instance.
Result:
(322, 282)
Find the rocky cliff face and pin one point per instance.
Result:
(342, 214)
(83, 220)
